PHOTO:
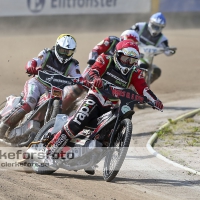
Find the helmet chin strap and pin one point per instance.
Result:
(120, 68)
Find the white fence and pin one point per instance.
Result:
(66, 7)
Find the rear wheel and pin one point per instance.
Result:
(116, 154)
(37, 167)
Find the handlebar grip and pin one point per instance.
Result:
(85, 84)
(150, 103)
(153, 106)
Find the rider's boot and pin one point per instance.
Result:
(90, 170)
(17, 115)
(53, 151)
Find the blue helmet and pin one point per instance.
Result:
(156, 23)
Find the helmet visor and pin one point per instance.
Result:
(156, 28)
(63, 51)
(128, 61)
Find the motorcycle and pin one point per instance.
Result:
(148, 52)
(106, 137)
(48, 106)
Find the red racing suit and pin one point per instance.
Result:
(106, 46)
(104, 67)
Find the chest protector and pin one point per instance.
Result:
(52, 64)
(147, 39)
(113, 75)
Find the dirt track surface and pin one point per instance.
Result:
(142, 176)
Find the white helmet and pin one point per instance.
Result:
(65, 47)
(130, 35)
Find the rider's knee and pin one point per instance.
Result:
(31, 102)
(26, 107)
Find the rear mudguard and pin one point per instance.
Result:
(12, 102)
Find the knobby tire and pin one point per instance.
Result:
(123, 140)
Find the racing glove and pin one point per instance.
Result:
(94, 77)
(31, 67)
(155, 102)
(158, 104)
(95, 83)
(84, 82)
(98, 83)
(170, 52)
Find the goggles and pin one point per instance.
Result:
(67, 52)
(128, 60)
(156, 27)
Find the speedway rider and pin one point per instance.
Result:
(59, 60)
(151, 34)
(121, 69)
(107, 46)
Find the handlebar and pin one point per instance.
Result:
(149, 49)
(170, 48)
(110, 87)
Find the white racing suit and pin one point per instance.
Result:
(147, 39)
(33, 88)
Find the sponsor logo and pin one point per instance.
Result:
(49, 79)
(55, 80)
(62, 81)
(128, 95)
(53, 69)
(61, 140)
(141, 76)
(69, 133)
(117, 78)
(83, 111)
(100, 60)
(35, 6)
(125, 109)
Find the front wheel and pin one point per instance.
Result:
(116, 154)
(38, 168)
(141, 106)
